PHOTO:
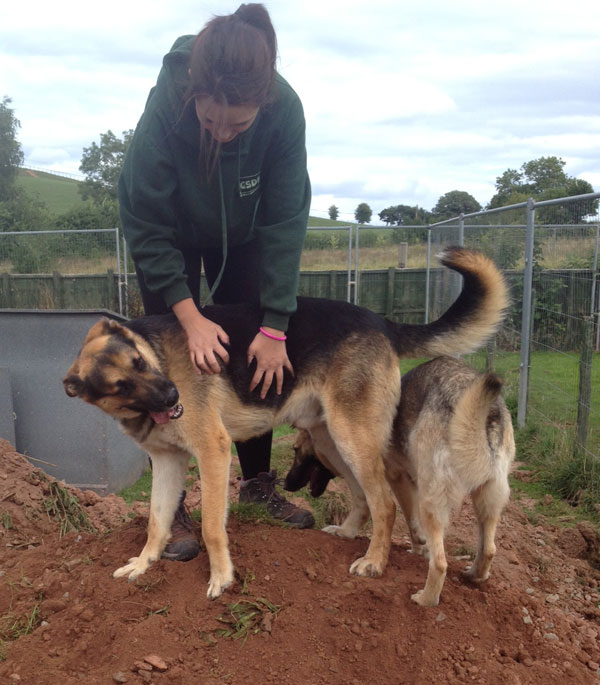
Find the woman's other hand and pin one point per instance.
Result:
(205, 338)
(271, 359)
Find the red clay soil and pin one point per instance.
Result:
(64, 619)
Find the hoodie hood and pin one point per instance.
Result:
(261, 191)
(182, 118)
(176, 64)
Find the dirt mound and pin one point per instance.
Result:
(35, 507)
(294, 615)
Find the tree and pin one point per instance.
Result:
(404, 215)
(363, 213)
(334, 212)
(101, 166)
(11, 154)
(454, 203)
(542, 179)
(23, 212)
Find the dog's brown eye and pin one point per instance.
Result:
(124, 388)
(139, 364)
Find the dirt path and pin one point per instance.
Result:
(535, 621)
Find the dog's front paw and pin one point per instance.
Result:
(218, 583)
(472, 575)
(366, 567)
(134, 568)
(425, 600)
(420, 550)
(340, 531)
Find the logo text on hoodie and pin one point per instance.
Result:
(249, 184)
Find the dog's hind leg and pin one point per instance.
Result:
(488, 501)
(433, 528)
(437, 496)
(359, 400)
(168, 474)
(359, 513)
(213, 453)
(407, 495)
(367, 481)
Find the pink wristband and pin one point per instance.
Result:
(281, 338)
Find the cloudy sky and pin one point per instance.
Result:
(404, 101)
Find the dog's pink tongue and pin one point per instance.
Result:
(161, 416)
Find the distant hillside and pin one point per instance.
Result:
(59, 193)
(318, 221)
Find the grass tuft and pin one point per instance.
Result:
(247, 617)
(12, 627)
(64, 507)
(6, 520)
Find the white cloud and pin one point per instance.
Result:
(404, 102)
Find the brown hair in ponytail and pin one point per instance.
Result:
(233, 62)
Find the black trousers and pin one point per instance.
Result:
(239, 284)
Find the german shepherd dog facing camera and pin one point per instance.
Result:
(346, 384)
(452, 436)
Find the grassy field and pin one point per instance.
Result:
(58, 193)
(370, 258)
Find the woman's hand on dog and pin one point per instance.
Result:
(205, 338)
(271, 360)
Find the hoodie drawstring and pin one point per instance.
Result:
(223, 238)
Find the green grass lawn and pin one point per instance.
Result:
(58, 193)
(317, 221)
(553, 391)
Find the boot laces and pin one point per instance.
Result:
(182, 518)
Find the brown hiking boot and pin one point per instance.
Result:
(261, 490)
(184, 543)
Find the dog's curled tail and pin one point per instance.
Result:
(479, 427)
(473, 318)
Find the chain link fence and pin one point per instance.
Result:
(547, 349)
(75, 269)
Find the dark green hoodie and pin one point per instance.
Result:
(166, 204)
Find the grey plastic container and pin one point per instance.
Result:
(79, 443)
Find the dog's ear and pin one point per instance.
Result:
(103, 327)
(72, 383)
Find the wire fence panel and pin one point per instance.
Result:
(547, 348)
(74, 269)
(546, 351)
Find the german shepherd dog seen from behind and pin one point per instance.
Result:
(346, 384)
(452, 437)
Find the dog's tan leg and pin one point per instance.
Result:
(359, 404)
(326, 450)
(358, 515)
(429, 596)
(370, 477)
(488, 501)
(407, 495)
(361, 453)
(214, 460)
(168, 474)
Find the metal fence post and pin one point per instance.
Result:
(594, 312)
(527, 316)
(119, 276)
(584, 398)
(461, 230)
(428, 274)
(350, 281)
(356, 269)
(125, 278)
(461, 243)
